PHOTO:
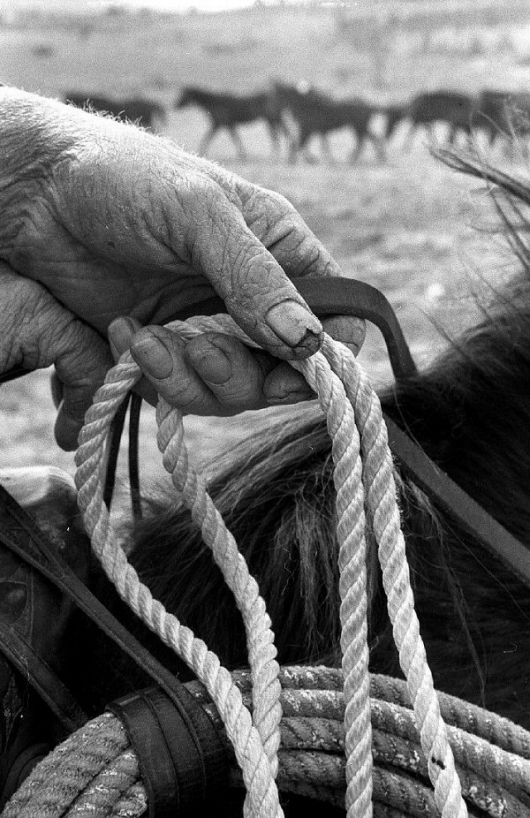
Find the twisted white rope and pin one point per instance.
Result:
(385, 521)
(355, 424)
(244, 731)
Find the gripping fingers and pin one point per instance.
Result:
(215, 374)
(212, 374)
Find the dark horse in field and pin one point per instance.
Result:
(316, 113)
(453, 108)
(230, 111)
(470, 411)
(502, 116)
(144, 112)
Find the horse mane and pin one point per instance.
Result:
(470, 411)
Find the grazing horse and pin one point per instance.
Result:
(144, 112)
(317, 113)
(451, 107)
(230, 110)
(469, 411)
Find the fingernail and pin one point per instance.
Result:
(125, 322)
(151, 354)
(67, 431)
(294, 325)
(120, 332)
(210, 362)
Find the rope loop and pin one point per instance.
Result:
(366, 495)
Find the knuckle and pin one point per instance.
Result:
(260, 198)
(200, 192)
(187, 396)
(282, 203)
(238, 392)
(267, 211)
(242, 391)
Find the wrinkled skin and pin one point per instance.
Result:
(38, 332)
(114, 221)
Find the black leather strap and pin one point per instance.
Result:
(133, 403)
(43, 679)
(20, 533)
(458, 504)
(134, 459)
(175, 771)
(113, 449)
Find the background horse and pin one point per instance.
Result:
(145, 112)
(317, 113)
(453, 108)
(230, 110)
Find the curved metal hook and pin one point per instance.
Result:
(346, 296)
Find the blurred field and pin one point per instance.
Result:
(409, 226)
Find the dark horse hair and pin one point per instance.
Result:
(470, 411)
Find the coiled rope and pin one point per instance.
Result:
(363, 480)
(95, 773)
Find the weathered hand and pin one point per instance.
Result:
(215, 374)
(115, 221)
(37, 331)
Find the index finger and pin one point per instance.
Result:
(256, 290)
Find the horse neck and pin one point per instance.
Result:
(471, 412)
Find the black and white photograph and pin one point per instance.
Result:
(264, 408)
